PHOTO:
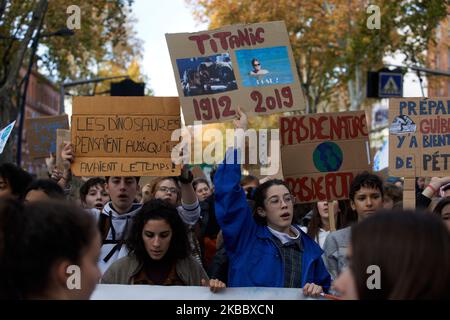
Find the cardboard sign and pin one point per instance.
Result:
(124, 136)
(322, 153)
(41, 134)
(62, 135)
(419, 137)
(4, 135)
(249, 65)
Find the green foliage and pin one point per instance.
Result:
(332, 45)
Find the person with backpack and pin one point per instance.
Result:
(115, 220)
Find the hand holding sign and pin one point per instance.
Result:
(215, 285)
(313, 290)
(241, 121)
(67, 152)
(186, 175)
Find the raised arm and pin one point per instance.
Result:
(232, 210)
(190, 212)
(423, 199)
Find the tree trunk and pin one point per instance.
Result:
(9, 111)
(355, 90)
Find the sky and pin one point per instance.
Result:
(174, 16)
(155, 19)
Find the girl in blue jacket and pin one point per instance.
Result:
(264, 248)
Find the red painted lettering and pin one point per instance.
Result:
(334, 185)
(209, 108)
(199, 40)
(226, 39)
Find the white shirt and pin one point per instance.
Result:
(322, 236)
(284, 237)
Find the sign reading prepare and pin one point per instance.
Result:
(419, 137)
(322, 153)
(248, 65)
(124, 136)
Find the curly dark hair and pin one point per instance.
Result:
(157, 209)
(17, 178)
(367, 180)
(48, 186)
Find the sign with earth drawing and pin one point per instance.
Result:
(322, 153)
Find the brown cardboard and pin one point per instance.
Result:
(323, 127)
(409, 184)
(121, 166)
(321, 166)
(356, 148)
(416, 156)
(41, 134)
(230, 82)
(409, 193)
(124, 136)
(331, 205)
(62, 135)
(409, 199)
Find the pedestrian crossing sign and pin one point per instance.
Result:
(390, 85)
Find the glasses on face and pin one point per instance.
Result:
(256, 64)
(276, 201)
(167, 189)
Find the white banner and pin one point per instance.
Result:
(148, 292)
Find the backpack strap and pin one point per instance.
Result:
(104, 224)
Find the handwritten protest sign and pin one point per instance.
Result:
(4, 135)
(41, 134)
(124, 136)
(419, 137)
(247, 65)
(322, 153)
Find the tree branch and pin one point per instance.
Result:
(2, 7)
(38, 11)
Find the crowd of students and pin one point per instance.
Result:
(238, 232)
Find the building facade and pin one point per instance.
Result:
(42, 100)
(438, 58)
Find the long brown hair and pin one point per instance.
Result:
(343, 219)
(412, 251)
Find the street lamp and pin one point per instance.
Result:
(62, 90)
(61, 32)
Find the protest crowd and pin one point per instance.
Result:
(323, 235)
(237, 232)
